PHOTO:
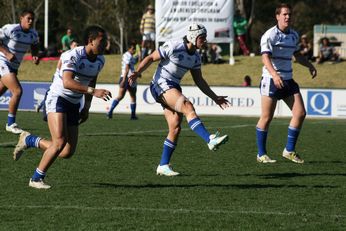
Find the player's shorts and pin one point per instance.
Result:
(126, 84)
(157, 90)
(148, 36)
(6, 69)
(268, 88)
(55, 103)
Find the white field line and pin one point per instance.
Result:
(160, 210)
(165, 130)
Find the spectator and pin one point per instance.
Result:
(327, 52)
(215, 54)
(66, 40)
(137, 56)
(305, 48)
(147, 29)
(247, 81)
(240, 25)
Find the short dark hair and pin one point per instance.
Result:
(91, 32)
(282, 5)
(27, 11)
(132, 45)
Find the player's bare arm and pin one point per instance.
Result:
(204, 87)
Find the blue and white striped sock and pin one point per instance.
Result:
(32, 141)
(38, 175)
(11, 119)
(197, 126)
(292, 138)
(168, 148)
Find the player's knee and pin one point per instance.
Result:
(300, 114)
(183, 105)
(17, 92)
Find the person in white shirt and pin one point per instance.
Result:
(176, 58)
(278, 45)
(74, 81)
(127, 68)
(15, 41)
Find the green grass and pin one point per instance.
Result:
(110, 183)
(329, 75)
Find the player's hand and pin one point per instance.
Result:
(313, 72)
(35, 60)
(279, 84)
(103, 94)
(222, 102)
(11, 57)
(133, 78)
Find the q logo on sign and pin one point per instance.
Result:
(319, 103)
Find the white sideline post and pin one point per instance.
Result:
(231, 57)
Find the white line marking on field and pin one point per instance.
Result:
(181, 210)
(7, 144)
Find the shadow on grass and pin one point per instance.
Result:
(294, 175)
(230, 186)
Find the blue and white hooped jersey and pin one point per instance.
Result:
(281, 46)
(85, 71)
(175, 62)
(17, 42)
(127, 60)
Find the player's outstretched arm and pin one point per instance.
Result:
(204, 87)
(146, 62)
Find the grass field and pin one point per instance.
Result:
(110, 183)
(329, 75)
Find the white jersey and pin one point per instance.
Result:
(127, 60)
(281, 46)
(175, 61)
(17, 42)
(85, 71)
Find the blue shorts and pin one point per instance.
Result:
(157, 90)
(56, 103)
(268, 88)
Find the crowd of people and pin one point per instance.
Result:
(69, 98)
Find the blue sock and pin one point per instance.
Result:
(197, 126)
(168, 148)
(32, 141)
(38, 174)
(133, 109)
(292, 137)
(11, 119)
(261, 141)
(114, 104)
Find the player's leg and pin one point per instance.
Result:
(11, 82)
(268, 105)
(57, 123)
(115, 102)
(3, 88)
(179, 103)
(71, 144)
(173, 120)
(133, 105)
(296, 104)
